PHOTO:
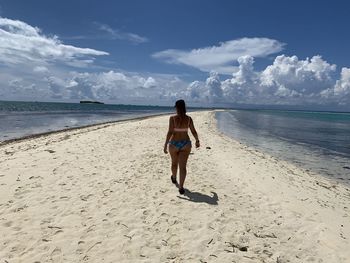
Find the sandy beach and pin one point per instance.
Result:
(103, 194)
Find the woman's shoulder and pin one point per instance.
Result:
(175, 117)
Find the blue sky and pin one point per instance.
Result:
(208, 52)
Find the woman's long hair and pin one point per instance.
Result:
(180, 106)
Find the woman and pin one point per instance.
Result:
(179, 142)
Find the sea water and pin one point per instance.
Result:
(18, 119)
(316, 141)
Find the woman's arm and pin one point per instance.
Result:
(194, 132)
(169, 134)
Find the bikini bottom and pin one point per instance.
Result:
(180, 144)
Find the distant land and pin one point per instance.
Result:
(91, 101)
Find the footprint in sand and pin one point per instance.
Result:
(55, 230)
(80, 249)
(86, 257)
(56, 255)
(8, 224)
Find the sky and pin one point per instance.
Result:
(211, 53)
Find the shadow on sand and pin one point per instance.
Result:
(200, 198)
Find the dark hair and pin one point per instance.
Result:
(181, 107)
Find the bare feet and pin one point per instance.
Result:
(173, 179)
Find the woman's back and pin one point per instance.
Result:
(181, 126)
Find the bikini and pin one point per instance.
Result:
(180, 144)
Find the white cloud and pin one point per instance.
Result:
(244, 83)
(342, 87)
(19, 85)
(340, 92)
(150, 83)
(196, 91)
(213, 85)
(40, 60)
(32, 70)
(118, 34)
(23, 44)
(288, 81)
(41, 69)
(309, 76)
(221, 58)
(110, 86)
(245, 76)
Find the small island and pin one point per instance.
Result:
(91, 102)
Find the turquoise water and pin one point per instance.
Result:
(52, 107)
(316, 141)
(18, 119)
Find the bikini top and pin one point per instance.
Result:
(182, 129)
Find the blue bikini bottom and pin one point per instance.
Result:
(180, 144)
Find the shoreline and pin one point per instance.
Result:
(43, 134)
(212, 112)
(329, 177)
(311, 157)
(107, 191)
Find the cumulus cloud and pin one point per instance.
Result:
(196, 91)
(309, 76)
(41, 69)
(221, 58)
(18, 85)
(120, 35)
(213, 85)
(110, 86)
(342, 87)
(340, 92)
(150, 83)
(32, 70)
(40, 60)
(243, 84)
(23, 44)
(288, 81)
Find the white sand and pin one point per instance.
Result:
(103, 194)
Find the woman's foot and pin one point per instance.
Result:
(173, 179)
(181, 191)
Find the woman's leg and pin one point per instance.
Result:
(174, 153)
(183, 157)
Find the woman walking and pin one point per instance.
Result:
(179, 142)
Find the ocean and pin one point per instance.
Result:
(19, 119)
(316, 141)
